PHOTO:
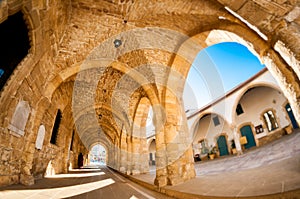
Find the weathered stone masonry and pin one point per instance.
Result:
(65, 69)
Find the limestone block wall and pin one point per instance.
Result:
(63, 33)
(273, 18)
(46, 24)
(78, 148)
(278, 21)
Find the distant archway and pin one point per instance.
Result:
(152, 150)
(97, 155)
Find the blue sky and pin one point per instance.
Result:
(216, 70)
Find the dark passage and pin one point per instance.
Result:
(14, 45)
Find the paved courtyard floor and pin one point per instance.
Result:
(270, 169)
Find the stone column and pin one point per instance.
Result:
(143, 157)
(161, 160)
(174, 156)
(135, 156)
(160, 155)
(129, 155)
(236, 136)
(123, 153)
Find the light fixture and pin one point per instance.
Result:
(117, 43)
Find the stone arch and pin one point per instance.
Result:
(90, 64)
(273, 99)
(245, 89)
(255, 44)
(224, 128)
(201, 115)
(105, 146)
(27, 18)
(104, 121)
(93, 134)
(140, 117)
(100, 142)
(268, 55)
(71, 72)
(151, 146)
(149, 141)
(139, 153)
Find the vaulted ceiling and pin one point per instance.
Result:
(111, 78)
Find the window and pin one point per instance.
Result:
(270, 120)
(72, 140)
(14, 45)
(239, 109)
(216, 120)
(55, 127)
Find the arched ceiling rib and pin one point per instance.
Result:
(124, 81)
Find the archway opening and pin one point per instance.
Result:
(152, 152)
(264, 117)
(14, 45)
(212, 137)
(150, 132)
(97, 155)
(217, 70)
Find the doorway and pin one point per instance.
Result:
(222, 145)
(291, 116)
(247, 131)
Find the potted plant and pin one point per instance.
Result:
(289, 129)
(233, 148)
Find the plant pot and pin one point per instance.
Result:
(211, 156)
(234, 151)
(288, 130)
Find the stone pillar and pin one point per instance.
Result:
(236, 136)
(123, 153)
(161, 160)
(135, 156)
(129, 155)
(143, 157)
(174, 156)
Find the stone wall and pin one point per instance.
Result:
(63, 34)
(271, 137)
(46, 24)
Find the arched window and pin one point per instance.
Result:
(55, 127)
(270, 120)
(72, 140)
(239, 109)
(216, 120)
(14, 45)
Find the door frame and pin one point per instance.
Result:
(253, 132)
(288, 116)
(226, 139)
